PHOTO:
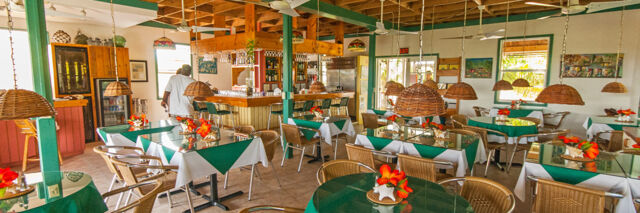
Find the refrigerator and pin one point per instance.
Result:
(110, 111)
(341, 74)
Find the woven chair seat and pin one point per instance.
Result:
(494, 145)
(169, 182)
(442, 176)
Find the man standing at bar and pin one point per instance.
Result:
(179, 105)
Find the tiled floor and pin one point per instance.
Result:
(296, 190)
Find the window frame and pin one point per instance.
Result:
(380, 87)
(155, 56)
(548, 74)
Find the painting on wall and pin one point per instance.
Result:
(138, 71)
(478, 67)
(208, 66)
(591, 65)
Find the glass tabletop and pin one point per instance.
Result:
(508, 122)
(77, 191)
(176, 141)
(422, 136)
(612, 120)
(403, 134)
(549, 154)
(128, 128)
(629, 163)
(328, 119)
(348, 194)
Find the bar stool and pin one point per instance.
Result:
(326, 105)
(274, 112)
(29, 130)
(213, 111)
(197, 110)
(306, 107)
(344, 102)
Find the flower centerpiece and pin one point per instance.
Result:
(579, 150)
(137, 122)
(439, 131)
(187, 124)
(503, 114)
(316, 111)
(6, 179)
(205, 131)
(390, 103)
(393, 119)
(516, 104)
(625, 115)
(389, 185)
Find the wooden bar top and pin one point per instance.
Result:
(256, 101)
(70, 103)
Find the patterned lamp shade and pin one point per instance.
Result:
(117, 88)
(164, 43)
(614, 87)
(560, 94)
(13, 102)
(198, 89)
(520, 83)
(502, 85)
(461, 91)
(356, 46)
(419, 100)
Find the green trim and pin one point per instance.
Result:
(38, 38)
(342, 14)
(135, 3)
(155, 57)
(409, 55)
(157, 25)
(48, 151)
(548, 75)
(287, 83)
(372, 75)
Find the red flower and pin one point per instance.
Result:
(424, 125)
(390, 102)
(205, 128)
(6, 177)
(316, 109)
(392, 118)
(191, 142)
(504, 111)
(568, 140)
(403, 190)
(626, 112)
(388, 176)
(590, 149)
(591, 167)
(637, 146)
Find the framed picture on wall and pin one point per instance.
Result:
(138, 71)
(208, 66)
(478, 67)
(592, 65)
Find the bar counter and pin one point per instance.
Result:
(255, 110)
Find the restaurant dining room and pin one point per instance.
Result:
(314, 106)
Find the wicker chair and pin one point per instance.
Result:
(534, 120)
(366, 156)
(552, 196)
(488, 145)
(145, 203)
(269, 208)
(370, 121)
(297, 141)
(615, 142)
(29, 130)
(459, 120)
(423, 168)
(548, 117)
(243, 132)
(483, 194)
(106, 152)
(339, 168)
(481, 111)
(517, 147)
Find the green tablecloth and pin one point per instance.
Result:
(511, 130)
(348, 194)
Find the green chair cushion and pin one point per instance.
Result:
(279, 112)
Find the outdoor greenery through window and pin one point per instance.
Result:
(168, 62)
(527, 59)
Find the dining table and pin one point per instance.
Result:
(513, 127)
(75, 192)
(126, 135)
(203, 158)
(609, 172)
(462, 150)
(348, 194)
(597, 124)
(521, 112)
(328, 127)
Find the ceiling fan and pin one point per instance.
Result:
(481, 35)
(184, 27)
(282, 6)
(574, 6)
(381, 30)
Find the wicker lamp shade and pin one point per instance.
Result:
(614, 87)
(117, 88)
(502, 85)
(317, 87)
(520, 83)
(393, 88)
(419, 100)
(431, 84)
(198, 89)
(461, 91)
(560, 94)
(14, 102)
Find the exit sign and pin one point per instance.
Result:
(404, 50)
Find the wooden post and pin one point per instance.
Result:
(372, 73)
(339, 33)
(249, 18)
(287, 56)
(312, 25)
(218, 21)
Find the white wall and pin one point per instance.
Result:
(593, 33)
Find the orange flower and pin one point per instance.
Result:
(316, 109)
(591, 167)
(191, 142)
(388, 176)
(392, 118)
(6, 177)
(390, 102)
(590, 149)
(504, 111)
(637, 146)
(205, 128)
(626, 112)
(568, 140)
(424, 125)
(403, 190)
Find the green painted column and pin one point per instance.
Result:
(287, 83)
(37, 29)
(47, 144)
(371, 88)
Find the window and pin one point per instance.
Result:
(168, 62)
(406, 70)
(523, 58)
(22, 60)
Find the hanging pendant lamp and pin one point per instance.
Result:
(502, 85)
(520, 82)
(462, 90)
(19, 103)
(164, 43)
(615, 86)
(356, 45)
(419, 100)
(317, 86)
(393, 88)
(561, 93)
(115, 88)
(197, 89)
(431, 84)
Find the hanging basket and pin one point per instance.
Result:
(461, 91)
(614, 87)
(393, 88)
(419, 100)
(60, 37)
(198, 89)
(431, 84)
(23, 104)
(560, 94)
(317, 87)
(117, 88)
(502, 85)
(356, 45)
(520, 83)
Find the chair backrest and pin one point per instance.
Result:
(145, 203)
(339, 168)
(459, 120)
(344, 101)
(245, 129)
(269, 140)
(291, 133)
(534, 120)
(616, 141)
(423, 168)
(484, 195)
(360, 154)
(480, 111)
(369, 120)
(106, 152)
(549, 118)
(196, 106)
(326, 104)
(26, 127)
(552, 196)
(270, 208)
(211, 108)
